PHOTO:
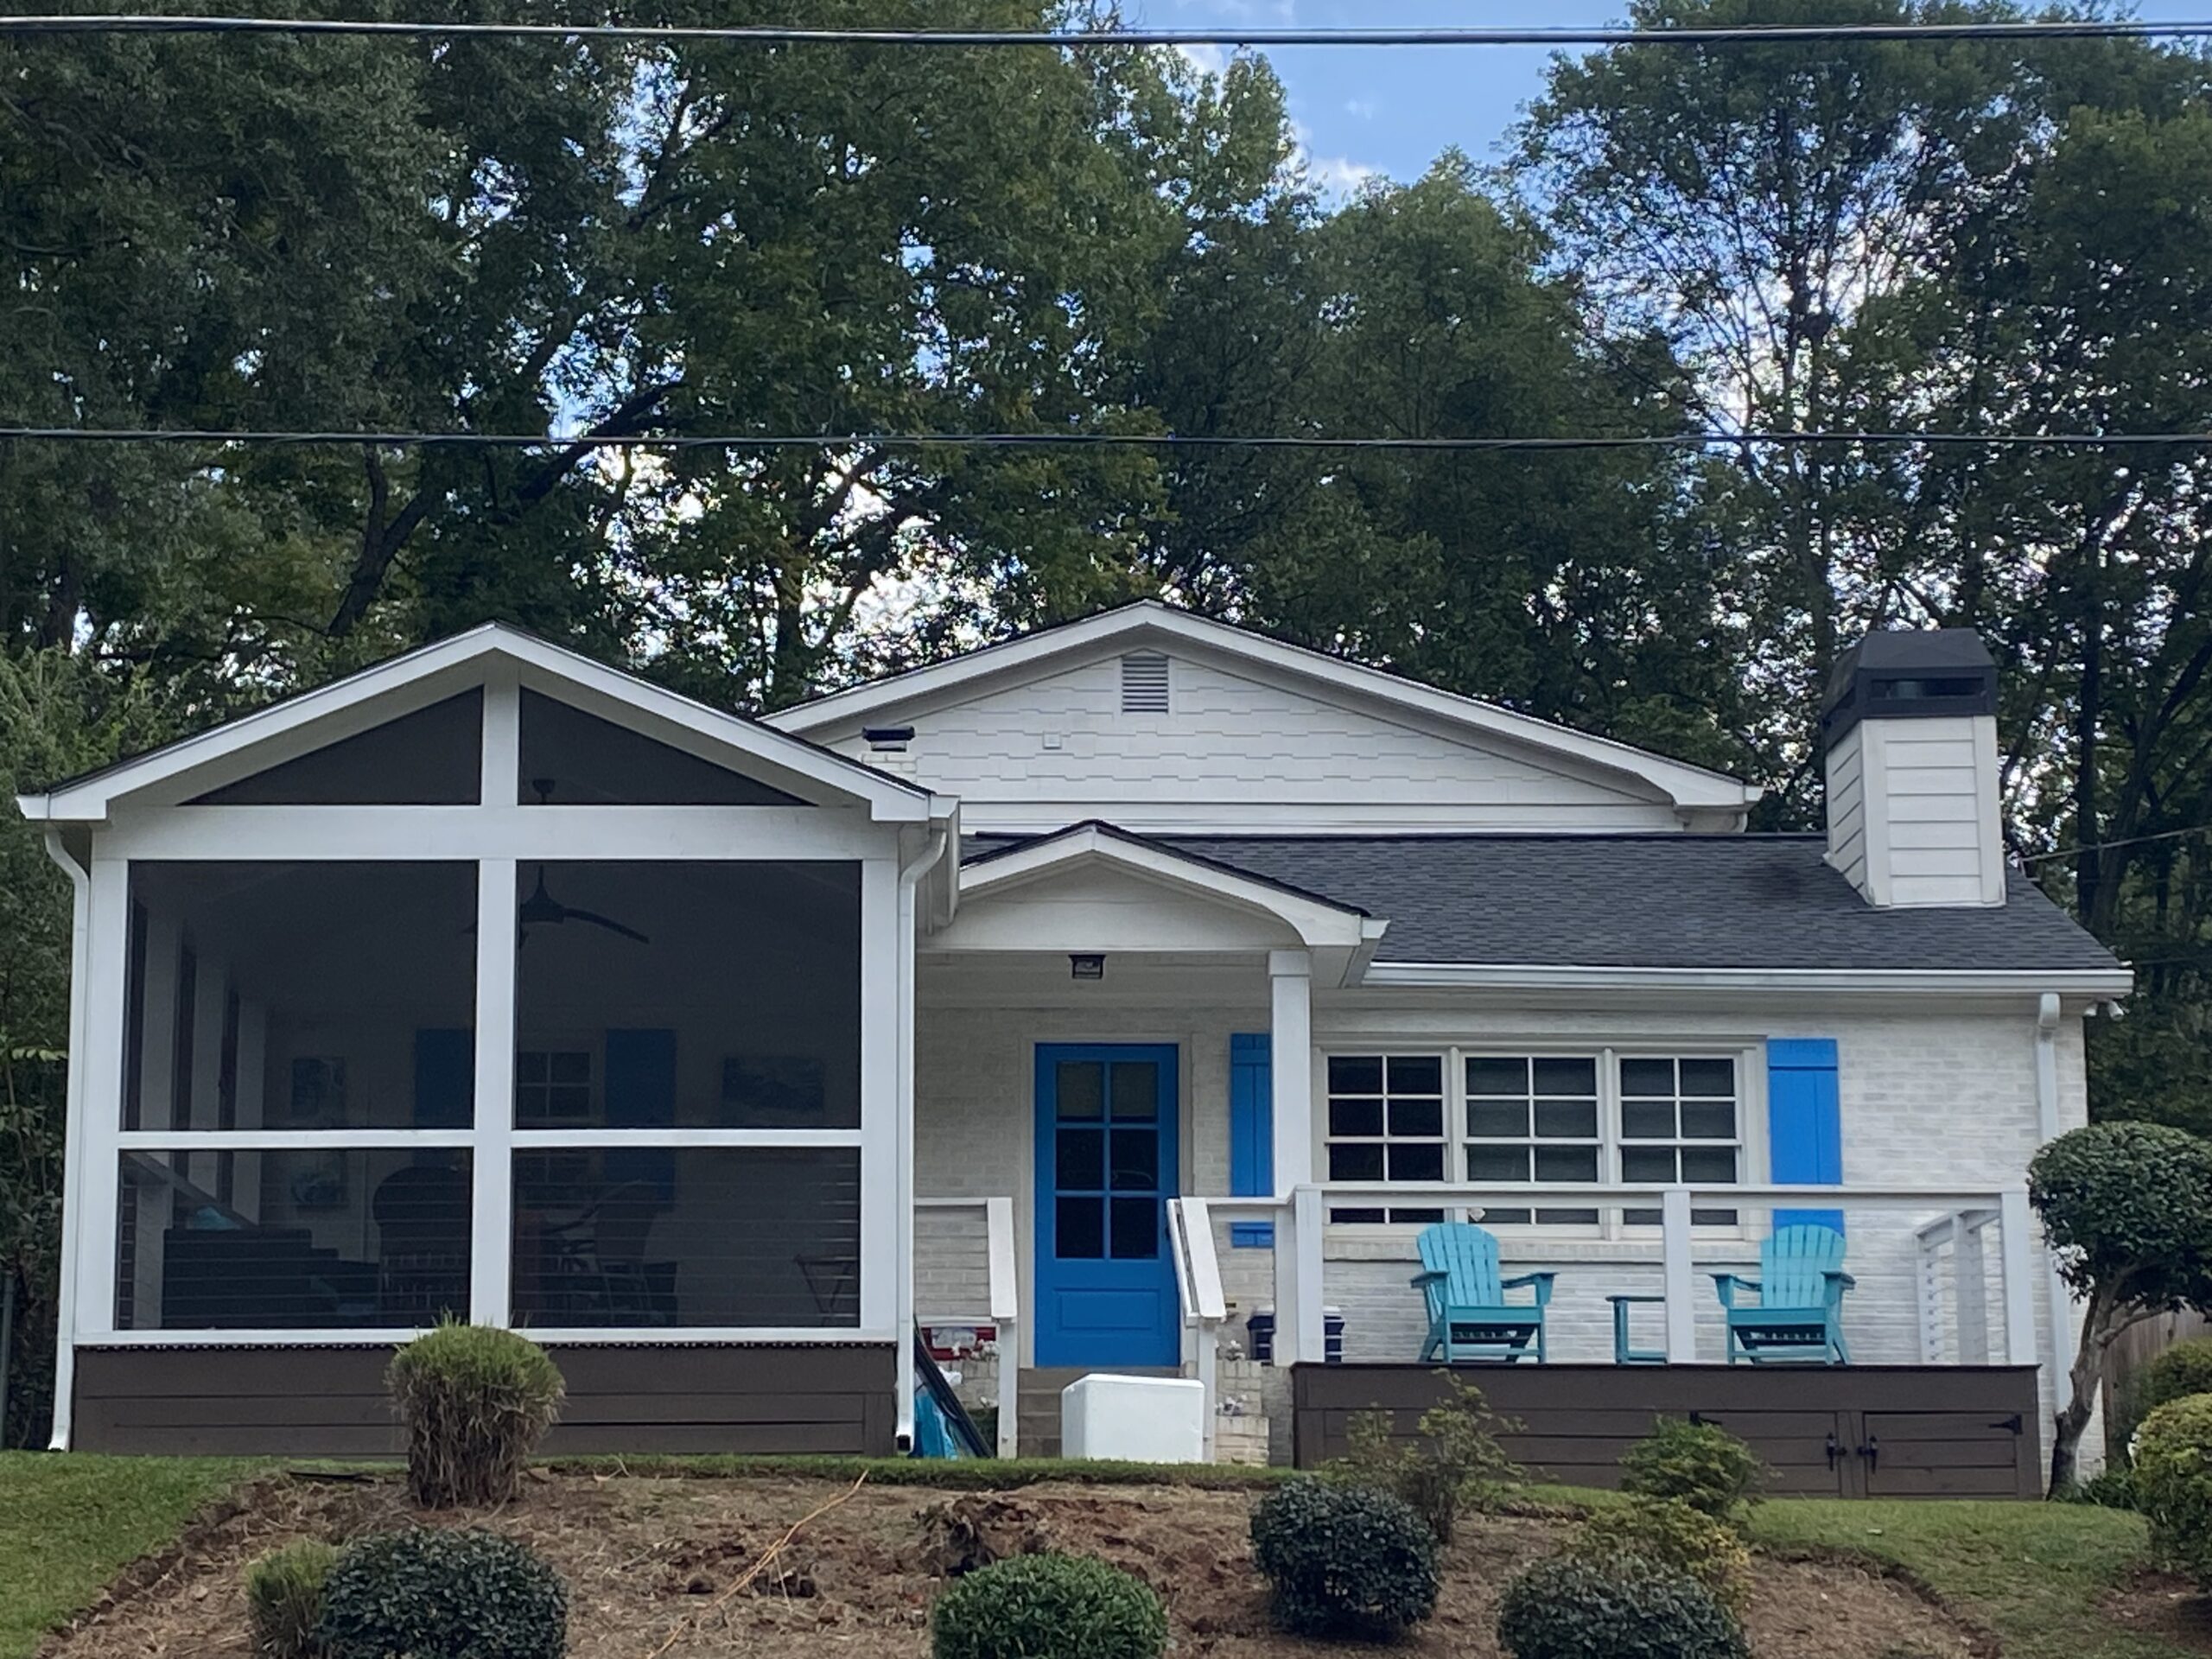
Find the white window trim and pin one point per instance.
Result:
(495, 837)
(1750, 1143)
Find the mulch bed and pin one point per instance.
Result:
(650, 1564)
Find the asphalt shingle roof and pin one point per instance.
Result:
(1646, 901)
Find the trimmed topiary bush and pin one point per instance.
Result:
(283, 1598)
(1624, 1608)
(1345, 1561)
(2176, 1373)
(1697, 1464)
(1668, 1533)
(1454, 1461)
(427, 1593)
(2172, 1483)
(1049, 1607)
(475, 1402)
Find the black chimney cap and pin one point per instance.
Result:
(1909, 674)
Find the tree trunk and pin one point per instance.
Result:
(2101, 1325)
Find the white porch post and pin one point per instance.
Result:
(73, 1147)
(99, 1157)
(2015, 1220)
(491, 1162)
(1680, 1282)
(1298, 1257)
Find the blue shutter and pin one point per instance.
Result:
(1804, 1123)
(641, 1094)
(1251, 1133)
(445, 1078)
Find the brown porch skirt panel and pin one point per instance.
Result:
(1842, 1431)
(330, 1402)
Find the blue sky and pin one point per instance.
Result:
(1362, 109)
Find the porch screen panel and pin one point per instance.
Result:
(658, 1005)
(734, 1237)
(272, 1006)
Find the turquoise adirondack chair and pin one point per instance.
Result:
(1468, 1315)
(1799, 1315)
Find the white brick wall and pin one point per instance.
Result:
(1930, 1094)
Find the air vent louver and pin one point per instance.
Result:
(1144, 684)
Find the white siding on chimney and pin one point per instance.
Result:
(1913, 813)
(1233, 753)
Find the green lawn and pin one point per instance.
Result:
(69, 1523)
(2037, 1575)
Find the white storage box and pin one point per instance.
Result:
(1139, 1419)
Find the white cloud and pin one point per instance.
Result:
(1337, 175)
(1361, 109)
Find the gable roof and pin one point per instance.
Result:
(1149, 622)
(1650, 904)
(360, 701)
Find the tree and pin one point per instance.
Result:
(2128, 1210)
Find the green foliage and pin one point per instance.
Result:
(2172, 1483)
(1623, 1608)
(1067, 1606)
(1343, 1560)
(283, 1598)
(1668, 1533)
(1698, 1464)
(2112, 1487)
(475, 1399)
(425, 1592)
(2173, 1373)
(1456, 1461)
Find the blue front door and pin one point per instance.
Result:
(1105, 1170)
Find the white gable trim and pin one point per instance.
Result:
(1321, 924)
(1717, 800)
(417, 678)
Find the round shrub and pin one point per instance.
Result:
(1624, 1608)
(475, 1400)
(1668, 1533)
(1343, 1560)
(427, 1594)
(1049, 1607)
(283, 1598)
(1697, 1464)
(2179, 1371)
(2172, 1483)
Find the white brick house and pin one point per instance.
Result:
(956, 996)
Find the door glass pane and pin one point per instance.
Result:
(1079, 1229)
(1136, 1228)
(1080, 1161)
(1081, 1090)
(1136, 1090)
(1136, 1161)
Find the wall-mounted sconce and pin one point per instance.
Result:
(1083, 967)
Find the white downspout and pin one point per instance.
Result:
(64, 1323)
(902, 1159)
(2062, 1306)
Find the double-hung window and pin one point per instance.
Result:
(1599, 1117)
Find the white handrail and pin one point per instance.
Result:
(1198, 1286)
(1002, 1293)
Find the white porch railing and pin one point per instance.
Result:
(1001, 1301)
(1198, 1285)
(1962, 1216)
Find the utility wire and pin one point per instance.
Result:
(2128, 841)
(784, 34)
(1700, 440)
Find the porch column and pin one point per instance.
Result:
(1297, 1255)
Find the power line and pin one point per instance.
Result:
(784, 34)
(2128, 841)
(1698, 440)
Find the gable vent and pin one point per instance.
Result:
(1144, 684)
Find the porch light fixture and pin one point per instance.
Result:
(1087, 967)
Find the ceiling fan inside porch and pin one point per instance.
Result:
(542, 909)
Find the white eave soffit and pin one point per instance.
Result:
(1715, 798)
(359, 701)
